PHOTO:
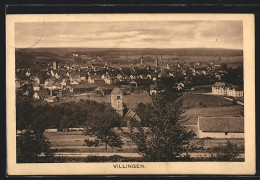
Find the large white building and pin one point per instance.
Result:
(221, 88)
(235, 91)
(220, 127)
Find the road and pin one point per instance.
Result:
(68, 154)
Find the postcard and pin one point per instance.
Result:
(110, 94)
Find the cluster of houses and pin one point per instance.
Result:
(65, 80)
(221, 88)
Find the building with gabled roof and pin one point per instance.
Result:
(235, 91)
(220, 127)
(131, 116)
(75, 79)
(219, 88)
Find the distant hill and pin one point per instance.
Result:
(132, 51)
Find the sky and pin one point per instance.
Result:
(134, 34)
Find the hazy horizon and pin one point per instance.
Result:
(132, 34)
(126, 48)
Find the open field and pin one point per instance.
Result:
(131, 100)
(201, 100)
(191, 100)
(73, 142)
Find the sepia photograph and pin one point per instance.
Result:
(130, 91)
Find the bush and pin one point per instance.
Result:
(200, 103)
(90, 143)
(228, 152)
(234, 102)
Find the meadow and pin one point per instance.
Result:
(73, 142)
(131, 101)
(202, 100)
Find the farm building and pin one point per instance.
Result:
(220, 127)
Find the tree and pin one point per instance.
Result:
(144, 113)
(166, 139)
(32, 144)
(102, 126)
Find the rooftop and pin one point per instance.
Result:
(221, 124)
(116, 90)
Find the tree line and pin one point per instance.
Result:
(66, 115)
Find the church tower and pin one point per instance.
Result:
(117, 100)
(141, 61)
(156, 62)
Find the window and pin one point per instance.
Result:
(118, 97)
(226, 133)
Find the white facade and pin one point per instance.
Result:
(234, 93)
(36, 88)
(202, 134)
(220, 129)
(219, 90)
(17, 84)
(108, 80)
(36, 96)
(83, 78)
(223, 89)
(90, 79)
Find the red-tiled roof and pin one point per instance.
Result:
(221, 124)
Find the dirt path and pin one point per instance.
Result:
(192, 155)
